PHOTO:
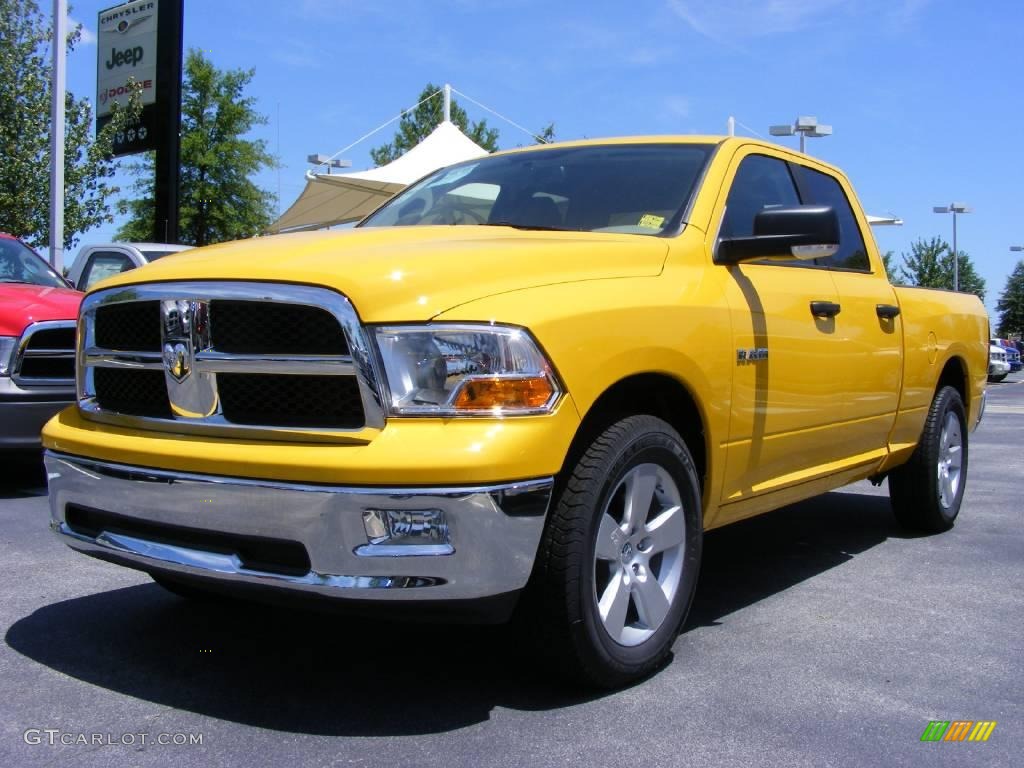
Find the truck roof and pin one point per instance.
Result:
(718, 140)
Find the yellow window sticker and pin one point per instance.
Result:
(651, 221)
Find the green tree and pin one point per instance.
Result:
(890, 268)
(1011, 304)
(930, 265)
(420, 122)
(25, 36)
(217, 199)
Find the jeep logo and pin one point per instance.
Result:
(131, 56)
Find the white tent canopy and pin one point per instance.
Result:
(341, 198)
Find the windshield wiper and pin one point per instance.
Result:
(516, 225)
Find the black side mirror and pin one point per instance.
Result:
(801, 232)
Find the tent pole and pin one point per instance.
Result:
(447, 103)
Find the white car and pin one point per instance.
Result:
(998, 368)
(97, 262)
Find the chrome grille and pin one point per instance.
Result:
(134, 392)
(133, 325)
(264, 360)
(46, 355)
(245, 327)
(290, 401)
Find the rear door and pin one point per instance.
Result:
(868, 327)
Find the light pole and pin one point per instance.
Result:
(331, 162)
(57, 87)
(1017, 247)
(954, 208)
(805, 126)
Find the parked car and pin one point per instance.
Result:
(540, 375)
(98, 262)
(998, 367)
(1012, 355)
(38, 312)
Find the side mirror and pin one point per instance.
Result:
(802, 232)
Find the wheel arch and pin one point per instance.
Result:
(954, 374)
(650, 393)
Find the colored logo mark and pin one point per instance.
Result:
(958, 730)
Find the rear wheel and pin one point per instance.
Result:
(618, 563)
(926, 492)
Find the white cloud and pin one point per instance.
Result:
(731, 20)
(88, 36)
(677, 106)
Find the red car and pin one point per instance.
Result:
(38, 312)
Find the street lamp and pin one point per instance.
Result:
(805, 126)
(1017, 247)
(954, 208)
(330, 162)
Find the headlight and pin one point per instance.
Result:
(6, 353)
(453, 370)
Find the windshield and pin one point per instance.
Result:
(638, 189)
(20, 264)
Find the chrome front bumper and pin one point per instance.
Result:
(493, 531)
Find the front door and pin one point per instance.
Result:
(786, 393)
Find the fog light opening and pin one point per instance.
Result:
(405, 532)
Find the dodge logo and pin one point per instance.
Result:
(176, 360)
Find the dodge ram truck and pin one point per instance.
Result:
(38, 312)
(524, 386)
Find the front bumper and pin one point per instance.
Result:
(23, 412)
(206, 528)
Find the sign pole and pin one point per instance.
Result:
(57, 87)
(168, 123)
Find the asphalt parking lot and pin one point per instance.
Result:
(822, 635)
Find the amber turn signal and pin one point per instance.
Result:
(488, 394)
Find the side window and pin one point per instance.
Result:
(818, 188)
(761, 182)
(103, 264)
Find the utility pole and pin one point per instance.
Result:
(954, 208)
(168, 122)
(57, 86)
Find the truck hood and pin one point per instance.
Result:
(22, 304)
(414, 273)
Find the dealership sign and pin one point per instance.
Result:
(127, 55)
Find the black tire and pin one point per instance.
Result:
(921, 499)
(563, 613)
(997, 379)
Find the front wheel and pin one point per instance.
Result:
(618, 563)
(926, 492)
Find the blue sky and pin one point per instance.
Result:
(924, 95)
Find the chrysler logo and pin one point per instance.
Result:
(177, 360)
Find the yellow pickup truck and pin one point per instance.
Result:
(527, 384)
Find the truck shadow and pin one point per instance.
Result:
(332, 675)
(748, 561)
(22, 475)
